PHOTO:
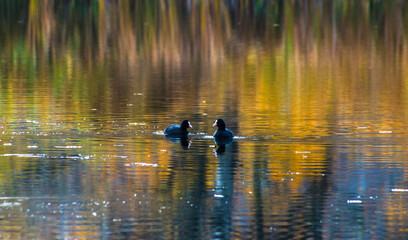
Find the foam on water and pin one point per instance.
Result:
(207, 137)
(399, 190)
(68, 147)
(26, 155)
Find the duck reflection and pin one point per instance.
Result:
(221, 143)
(224, 190)
(184, 141)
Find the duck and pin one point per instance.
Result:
(222, 135)
(178, 131)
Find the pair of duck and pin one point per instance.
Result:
(181, 130)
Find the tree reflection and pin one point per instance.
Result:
(295, 75)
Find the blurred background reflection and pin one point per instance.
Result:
(315, 91)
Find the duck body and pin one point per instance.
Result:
(222, 135)
(178, 131)
(175, 129)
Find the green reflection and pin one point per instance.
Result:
(302, 81)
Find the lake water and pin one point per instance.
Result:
(316, 93)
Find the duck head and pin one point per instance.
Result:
(185, 124)
(220, 124)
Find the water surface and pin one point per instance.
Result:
(315, 91)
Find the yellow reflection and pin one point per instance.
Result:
(284, 73)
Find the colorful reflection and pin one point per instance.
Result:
(315, 92)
